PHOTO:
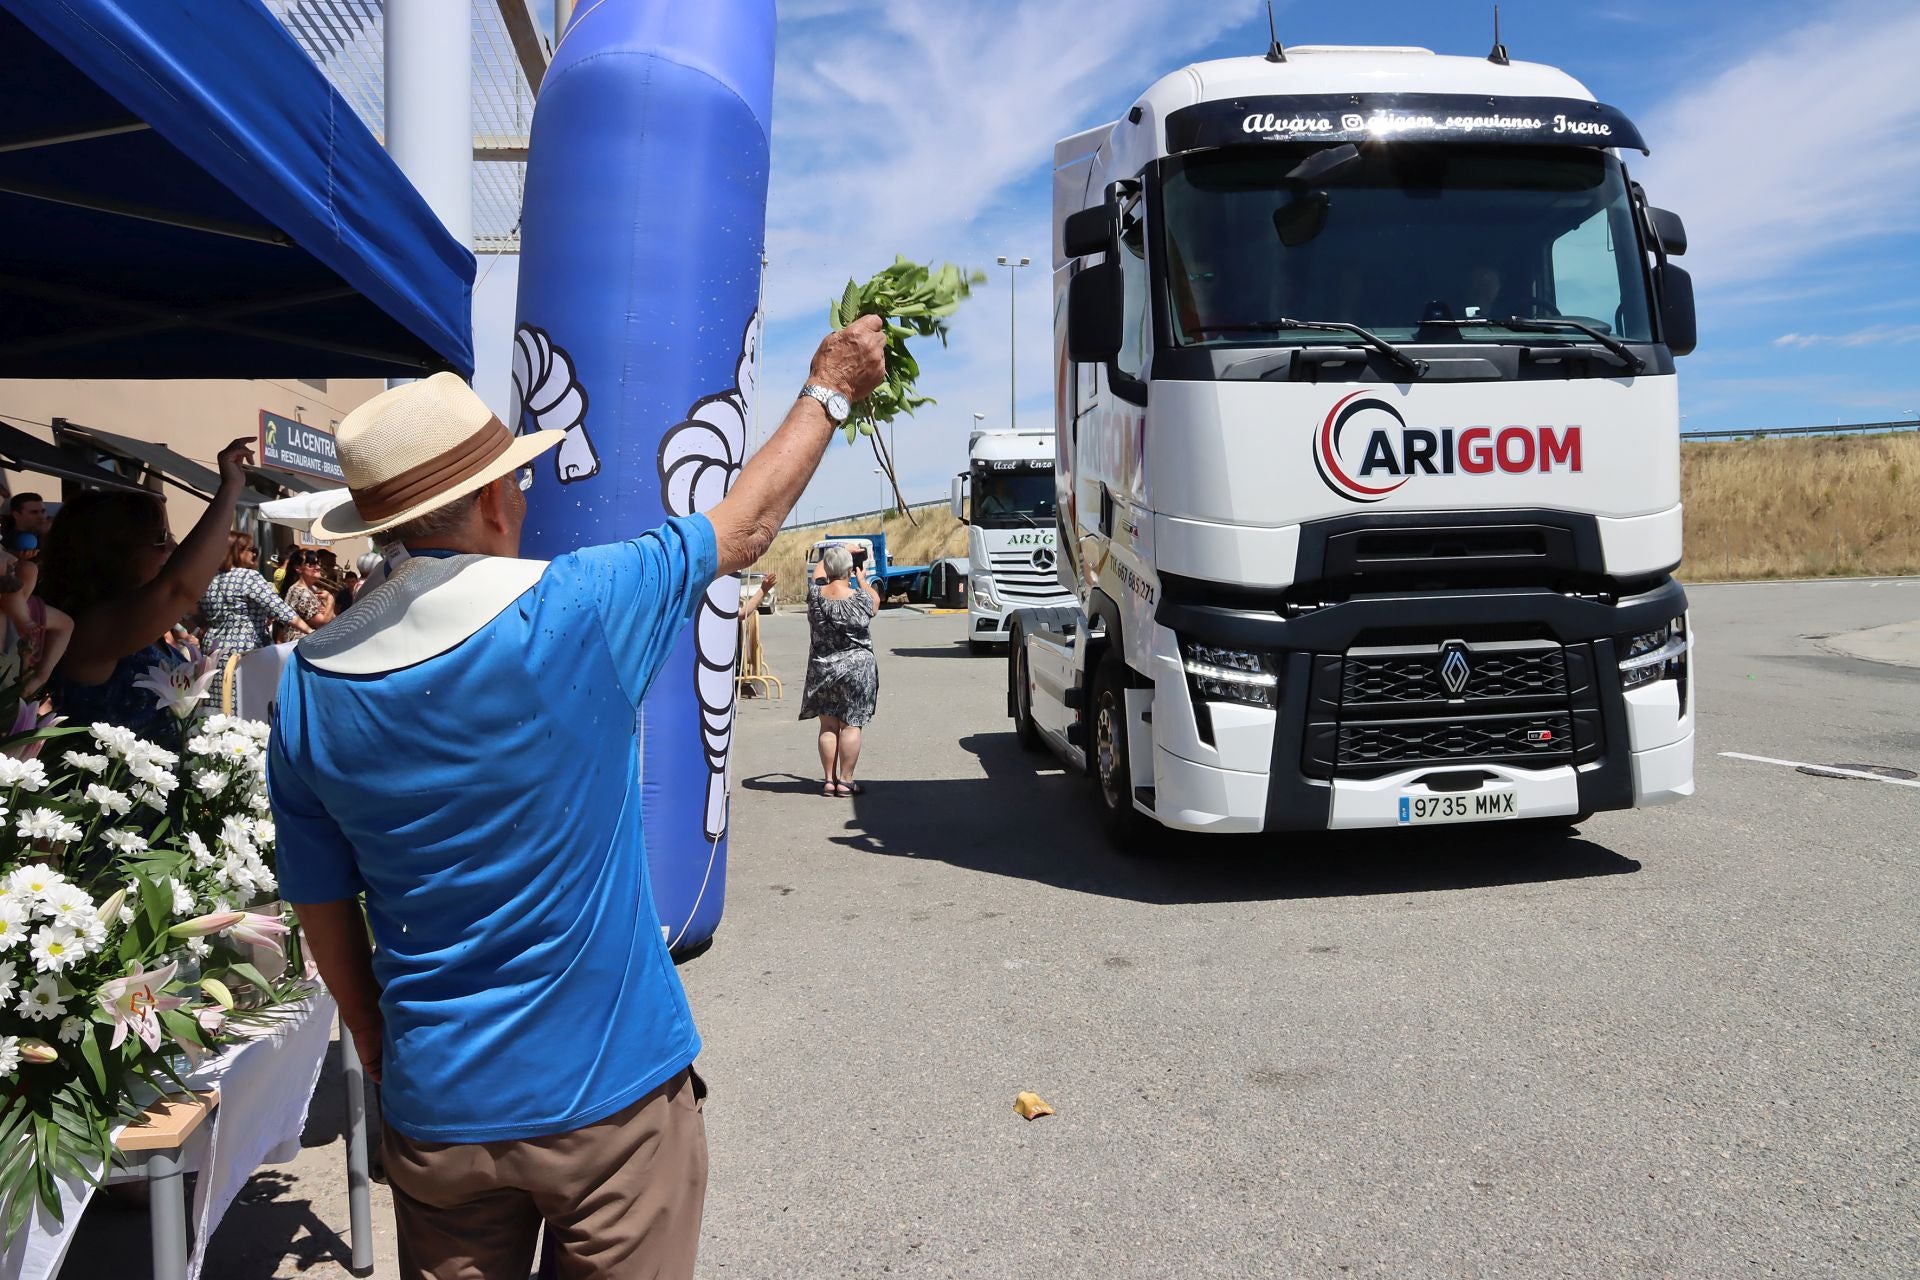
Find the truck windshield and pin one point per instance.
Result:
(1020, 498)
(1408, 234)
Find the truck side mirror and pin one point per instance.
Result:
(957, 499)
(1088, 233)
(1093, 314)
(1668, 230)
(1677, 321)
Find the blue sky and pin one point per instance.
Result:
(1787, 135)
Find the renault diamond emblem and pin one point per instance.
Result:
(1043, 560)
(1454, 668)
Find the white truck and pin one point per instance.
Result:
(1368, 459)
(1012, 542)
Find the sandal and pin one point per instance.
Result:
(832, 790)
(851, 789)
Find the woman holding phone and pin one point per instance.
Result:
(843, 677)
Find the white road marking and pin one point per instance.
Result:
(1826, 768)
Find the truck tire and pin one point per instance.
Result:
(1107, 759)
(1024, 730)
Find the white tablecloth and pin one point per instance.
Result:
(265, 1082)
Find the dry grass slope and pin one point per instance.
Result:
(1768, 508)
(938, 534)
(1802, 508)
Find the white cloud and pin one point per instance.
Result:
(927, 129)
(1808, 145)
(1873, 335)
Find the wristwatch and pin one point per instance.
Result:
(836, 404)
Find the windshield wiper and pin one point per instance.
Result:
(1620, 350)
(1415, 368)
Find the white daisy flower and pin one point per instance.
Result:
(96, 765)
(182, 898)
(125, 842)
(198, 948)
(31, 882)
(150, 798)
(28, 775)
(117, 741)
(9, 980)
(202, 856)
(71, 1029)
(9, 1055)
(68, 905)
(55, 947)
(46, 824)
(110, 801)
(258, 802)
(41, 1002)
(210, 782)
(15, 913)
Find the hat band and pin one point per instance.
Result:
(390, 497)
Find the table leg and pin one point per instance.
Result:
(359, 1196)
(167, 1215)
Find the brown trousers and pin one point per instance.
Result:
(620, 1198)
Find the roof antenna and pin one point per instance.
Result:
(1499, 55)
(1274, 52)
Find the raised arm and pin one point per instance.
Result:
(852, 362)
(113, 630)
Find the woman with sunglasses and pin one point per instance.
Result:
(241, 606)
(112, 564)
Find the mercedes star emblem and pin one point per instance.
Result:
(1043, 559)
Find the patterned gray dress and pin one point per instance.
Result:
(843, 678)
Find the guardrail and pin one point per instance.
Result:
(862, 515)
(1850, 429)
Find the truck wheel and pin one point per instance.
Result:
(1107, 757)
(1024, 729)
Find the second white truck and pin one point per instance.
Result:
(1012, 542)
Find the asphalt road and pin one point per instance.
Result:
(1680, 1043)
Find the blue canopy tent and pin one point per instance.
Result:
(182, 194)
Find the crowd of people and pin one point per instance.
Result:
(95, 596)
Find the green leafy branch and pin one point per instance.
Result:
(914, 300)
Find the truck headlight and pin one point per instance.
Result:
(1660, 654)
(1219, 674)
(982, 588)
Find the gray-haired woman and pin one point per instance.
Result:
(843, 679)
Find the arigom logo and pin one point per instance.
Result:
(1365, 451)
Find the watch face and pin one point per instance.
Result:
(838, 406)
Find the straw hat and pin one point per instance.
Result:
(415, 448)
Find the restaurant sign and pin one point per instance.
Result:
(295, 446)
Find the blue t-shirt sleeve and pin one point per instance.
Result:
(645, 591)
(314, 860)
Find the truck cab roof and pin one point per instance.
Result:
(1318, 75)
(994, 446)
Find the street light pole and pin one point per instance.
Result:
(1013, 266)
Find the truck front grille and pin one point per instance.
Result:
(1019, 580)
(1375, 710)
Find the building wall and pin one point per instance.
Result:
(196, 418)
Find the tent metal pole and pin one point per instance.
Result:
(144, 212)
(85, 133)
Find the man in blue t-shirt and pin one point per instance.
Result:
(459, 747)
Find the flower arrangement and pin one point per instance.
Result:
(127, 947)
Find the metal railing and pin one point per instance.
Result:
(862, 515)
(1849, 429)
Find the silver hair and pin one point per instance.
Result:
(436, 523)
(837, 561)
